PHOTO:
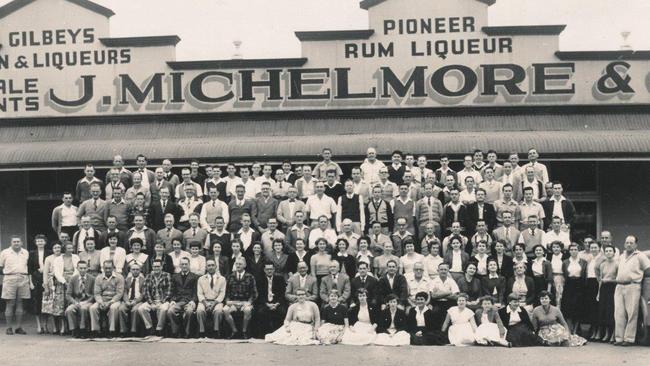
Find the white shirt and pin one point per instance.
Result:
(317, 233)
(370, 171)
(68, 215)
(246, 238)
(136, 288)
(449, 285)
(538, 266)
(231, 184)
(468, 197)
(318, 207)
(556, 263)
(118, 257)
(431, 264)
(252, 188)
(457, 265)
(557, 207)
(14, 262)
(176, 259)
(419, 316)
(574, 268)
(514, 316)
(551, 236)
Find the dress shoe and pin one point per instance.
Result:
(246, 336)
(618, 343)
(9, 331)
(201, 334)
(234, 335)
(20, 331)
(626, 344)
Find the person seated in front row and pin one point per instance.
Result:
(334, 320)
(210, 293)
(391, 327)
(424, 324)
(362, 317)
(300, 325)
(241, 292)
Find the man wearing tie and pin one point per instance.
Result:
(363, 280)
(212, 209)
(94, 208)
(183, 298)
(168, 234)
(210, 293)
(238, 207)
(194, 233)
(428, 209)
(79, 294)
(108, 291)
(158, 184)
(297, 231)
(508, 232)
(288, 208)
(270, 305)
(335, 281)
(134, 292)
(303, 281)
(85, 231)
(162, 207)
(394, 283)
(241, 292)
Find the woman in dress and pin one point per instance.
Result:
(461, 324)
(137, 257)
(541, 272)
(471, 286)
(364, 254)
(63, 267)
(159, 254)
(300, 255)
(363, 322)
(91, 256)
(493, 284)
(590, 302)
(516, 320)
(456, 258)
(320, 261)
(36, 263)
(380, 263)
(49, 286)
(433, 259)
(334, 320)
(279, 259)
(522, 286)
(551, 326)
(392, 326)
(607, 271)
(557, 257)
(575, 272)
(490, 330)
(300, 325)
(255, 263)
(410, 257)
(345, 259)
(424, 324)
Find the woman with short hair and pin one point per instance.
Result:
(392, 325)
(520, 330)
(551, 326)
(334, 320)
(460, 322)
(523, 286)
(490, 330)
(300, 324)
(606, 273)
(573, 301)
(346, 260)
(363, 318)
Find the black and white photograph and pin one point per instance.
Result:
(319, 182)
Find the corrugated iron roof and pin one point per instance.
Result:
(220, 148)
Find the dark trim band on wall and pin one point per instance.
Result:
(336, 35)
(236, 64)
(16, 5)
(367, 4)
(603, 55)
(150, 41)
(525, 30)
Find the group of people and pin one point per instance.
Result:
(397, 254)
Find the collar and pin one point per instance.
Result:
(406, 233)
(295, 227)
(344, 255)
(397, 166)
(511, 311)
(241, 231)
(404, 201)
(562, 198)
(491, 276)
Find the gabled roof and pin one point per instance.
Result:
(367, 4)
(15, 5)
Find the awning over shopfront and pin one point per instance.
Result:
(597, 136)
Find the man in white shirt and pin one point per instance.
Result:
(232, 181)
(185, 184)
(252, 186)
(371, 166)
(15, 283)
(556, 234)
(443, 289)
(322, 231)
(540, 169)
(417, 282)
(348, 234)
(360, 187)
(468, 171)
(306, 185)
(320, 205)
(421, 171)
(64, 216)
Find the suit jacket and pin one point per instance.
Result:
(530, 285)
(157, 214)
(236, 213)
(150, 235)
(342, 284)
(372, 287)
(32, 264)
(512, 238)
(373, 311)
(255, 237)
(432, 320)
(291, 236)
(448, 218)
(506, 269)
(311, 286)
(75, 239)
(184, 289)
(523, 315)
(385, 320)
(293, 260)
(263, 211)
(568, 210)
(122, 242)
(520, 190)
(284, 214)
(128, 281)
(73, 289)
(167, 238)
(155, 191)
(278, 289)
(489, 215)
(565, 268)
(400, 288)
(168, 263)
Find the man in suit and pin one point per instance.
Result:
(108, 291)
(508, 232)
(111, 228)
(288, 208)
(241, 292)
(211, 291)
(139, 230)
(335, 281)
(194, 232)
(530, 180)
(363, 280)
(85, 231)
(247, 235)
(159, 183)
(558, 205)
(134, 295)
(531, 237)
(393, 283)
(428, 209)
(271, 303)
(297, 231)
(237, 207)
(161, 207)
(183, 298)
(304, 281)
(79, 294)
(94, 208)
(264, 208)
(480, 210)
(168, 233)
(147, 175)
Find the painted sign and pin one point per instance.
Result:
(58, 59)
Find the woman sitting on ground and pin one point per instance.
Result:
(490, 331)
(462, 331)
(334, 320)
(363, 319)
(392, 325)
(551, 326)
(300, 325)
(424, 324)
(515, 319)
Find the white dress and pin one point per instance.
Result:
(461, 332)
(487, 332)
(362, 332)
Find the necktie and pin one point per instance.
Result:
(269, 281)
(95, 203)
(193, 232)
(82, 286)
(429, 201)
(334, 283)
(132, 296)
(211, 282)
(422, 176)
(169, 233)
(532, 231)
(280, 185)
(164, 204)
(508, 233)
(212, 203)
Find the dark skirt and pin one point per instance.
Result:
(429, 338)
(590, 304)
(540, 285)
(606, 304)
(572, 298)
(522, 336)
(37, 293)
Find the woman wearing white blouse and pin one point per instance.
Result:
(432, 260)
(575, 271)
(481, 257)
(410, 258)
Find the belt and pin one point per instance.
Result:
(625, 283)
(16, 274)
